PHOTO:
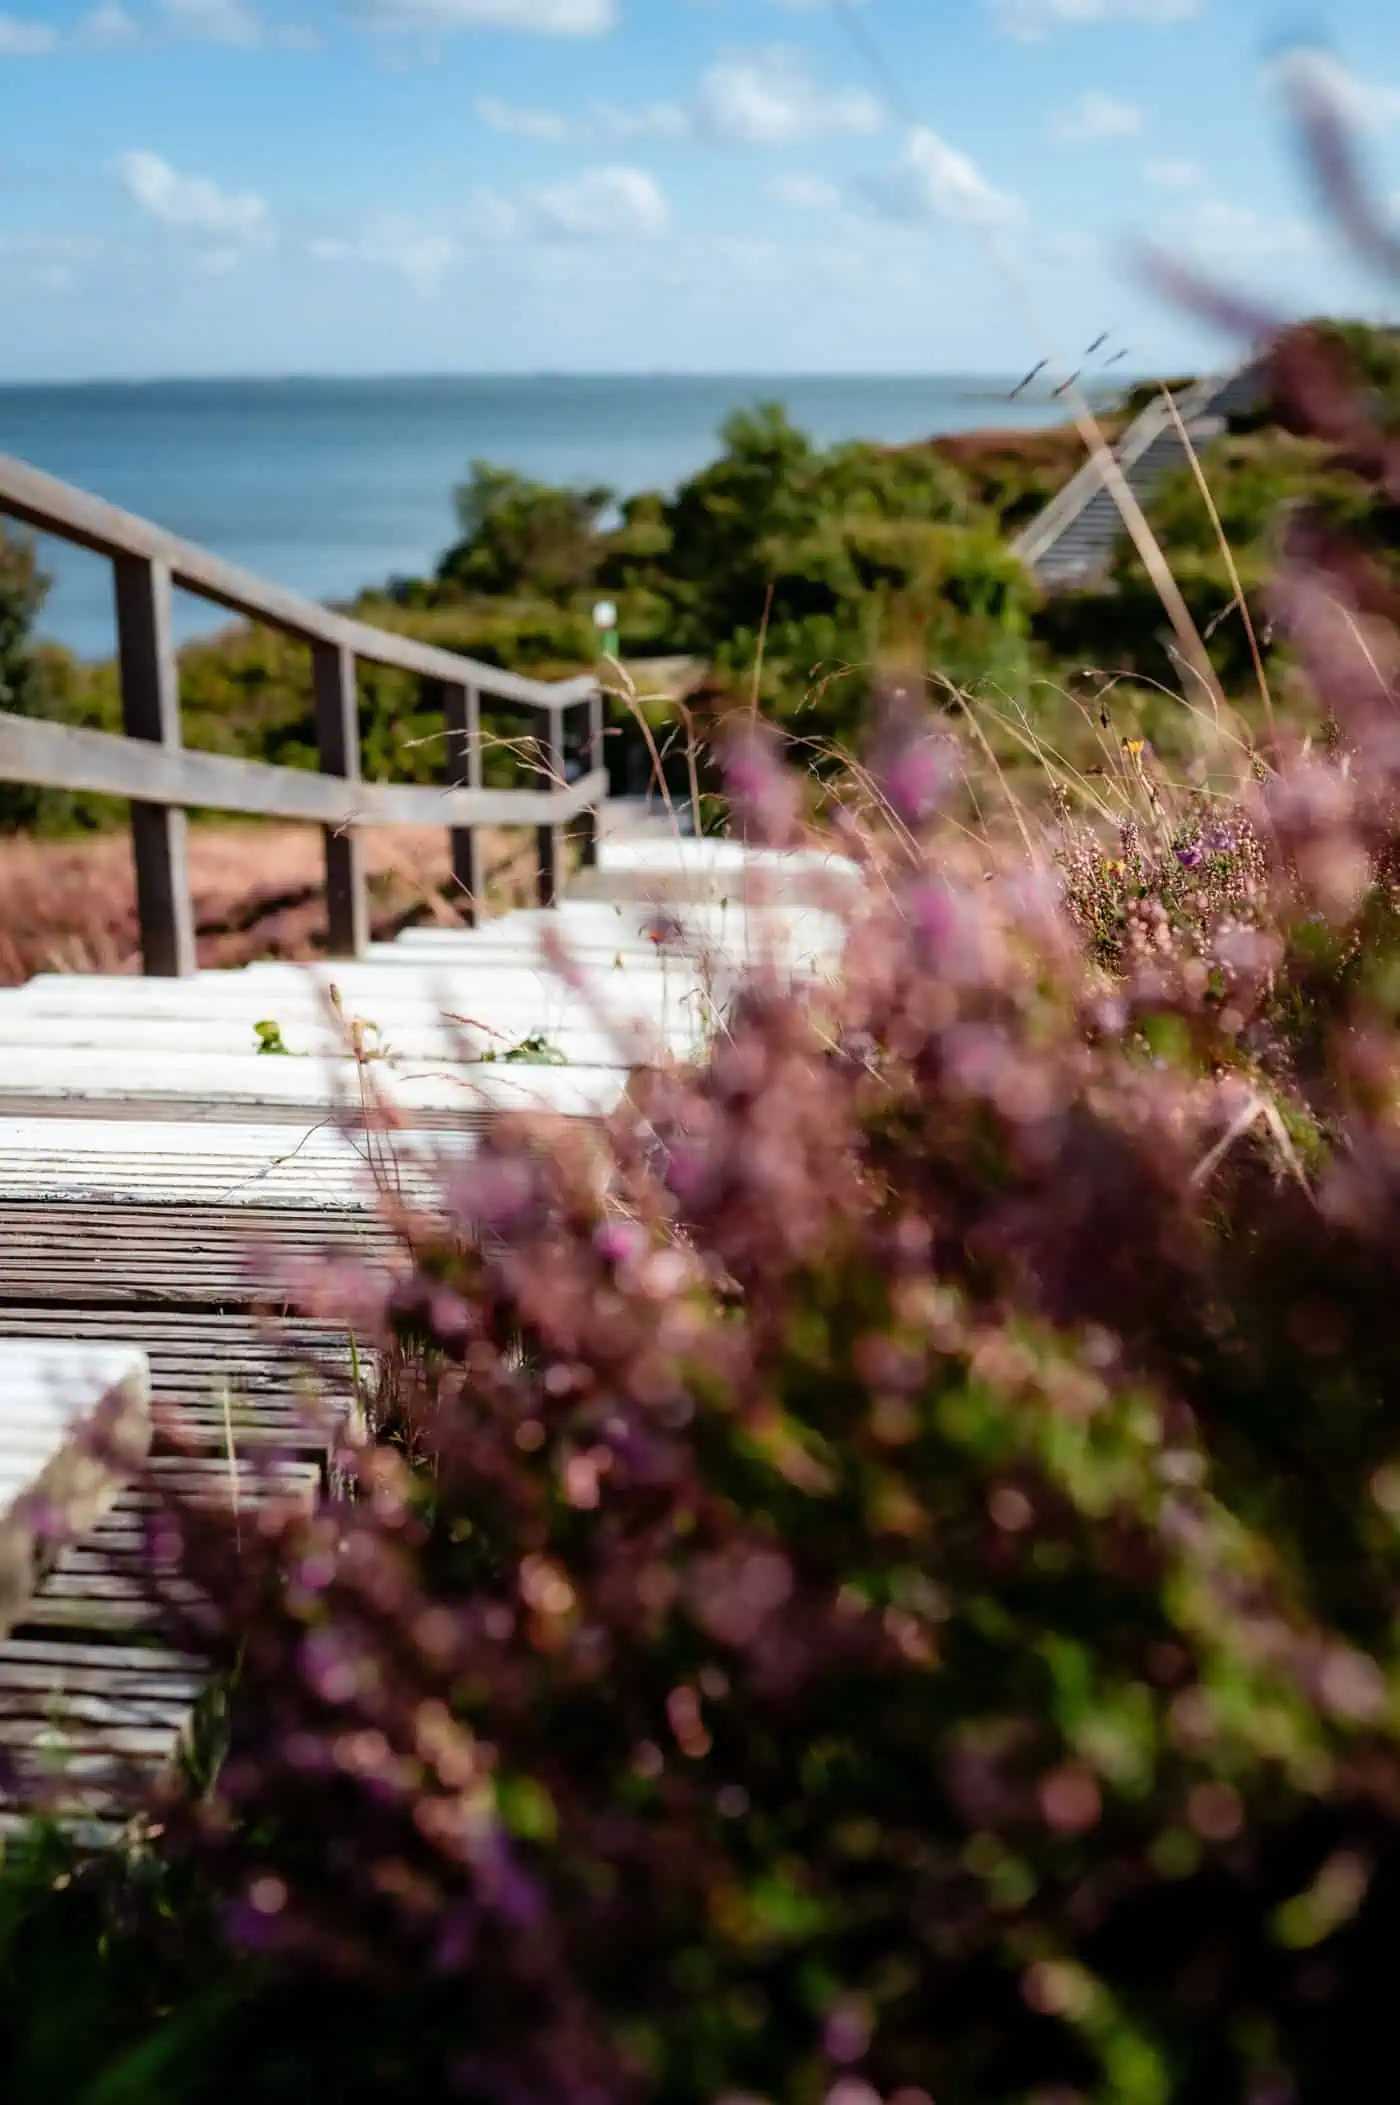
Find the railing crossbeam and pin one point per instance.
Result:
(151, 768)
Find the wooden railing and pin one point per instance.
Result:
(163, 780)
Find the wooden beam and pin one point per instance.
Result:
(89, 522)
(462, 709)
(338, 747)
(150, 682)
(59, 756)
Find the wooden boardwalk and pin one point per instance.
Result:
(1069, 544)
(173, 1146)
(162, 1180)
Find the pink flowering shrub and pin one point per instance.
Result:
(877, 1575)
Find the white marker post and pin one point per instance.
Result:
(605, 622)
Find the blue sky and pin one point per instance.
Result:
(319, 186)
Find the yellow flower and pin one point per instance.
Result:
(1134, 745)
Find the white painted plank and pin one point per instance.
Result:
(58, 1075)
(720, 856)
(75, 1422)
(630, 924)
(167, 1163)
(427, 981)
(413, 1035)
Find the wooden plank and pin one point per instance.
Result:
(617, 1037)
(584, 927)
(96, 1698)
(177, 1257)
(41, 1656)
(127, 1730)
(89, 522)
(150, 684)
(374, 992)
(62, 756)
(74, 1423)
(56, 1074)
(162, 1155)
(614, 1027)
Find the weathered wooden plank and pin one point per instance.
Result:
(62, 756)
(176, 1257)
(56, 507)
(90, 1700)
(56, 1746)
(158, 1154)
(19, 1655)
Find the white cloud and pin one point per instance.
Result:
(1367, 105)
(387, 242)
(935, 181)
(108, 25)
(1095, 117)
(603, 204)
(809, 193)
(22, 37)
(549, 18)
(1032, 19)
(600, 121)
(643, 120)
(215, 21)
(546, 126)
(193, 201)
(1173, 175)
(768, 98)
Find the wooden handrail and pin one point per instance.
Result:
(150, 766)
(54, 507)
(99, 763)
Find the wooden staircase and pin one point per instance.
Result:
(1070, 544)
(179, 1149)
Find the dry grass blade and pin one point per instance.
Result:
(1227, 554)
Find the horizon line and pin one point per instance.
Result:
(537, 375)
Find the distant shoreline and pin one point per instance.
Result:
(330, 487)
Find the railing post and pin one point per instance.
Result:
(338, 747)
(550, 840)
(150, 680)
(591, 824)
(462, 708)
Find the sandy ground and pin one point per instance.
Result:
(69, 906)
